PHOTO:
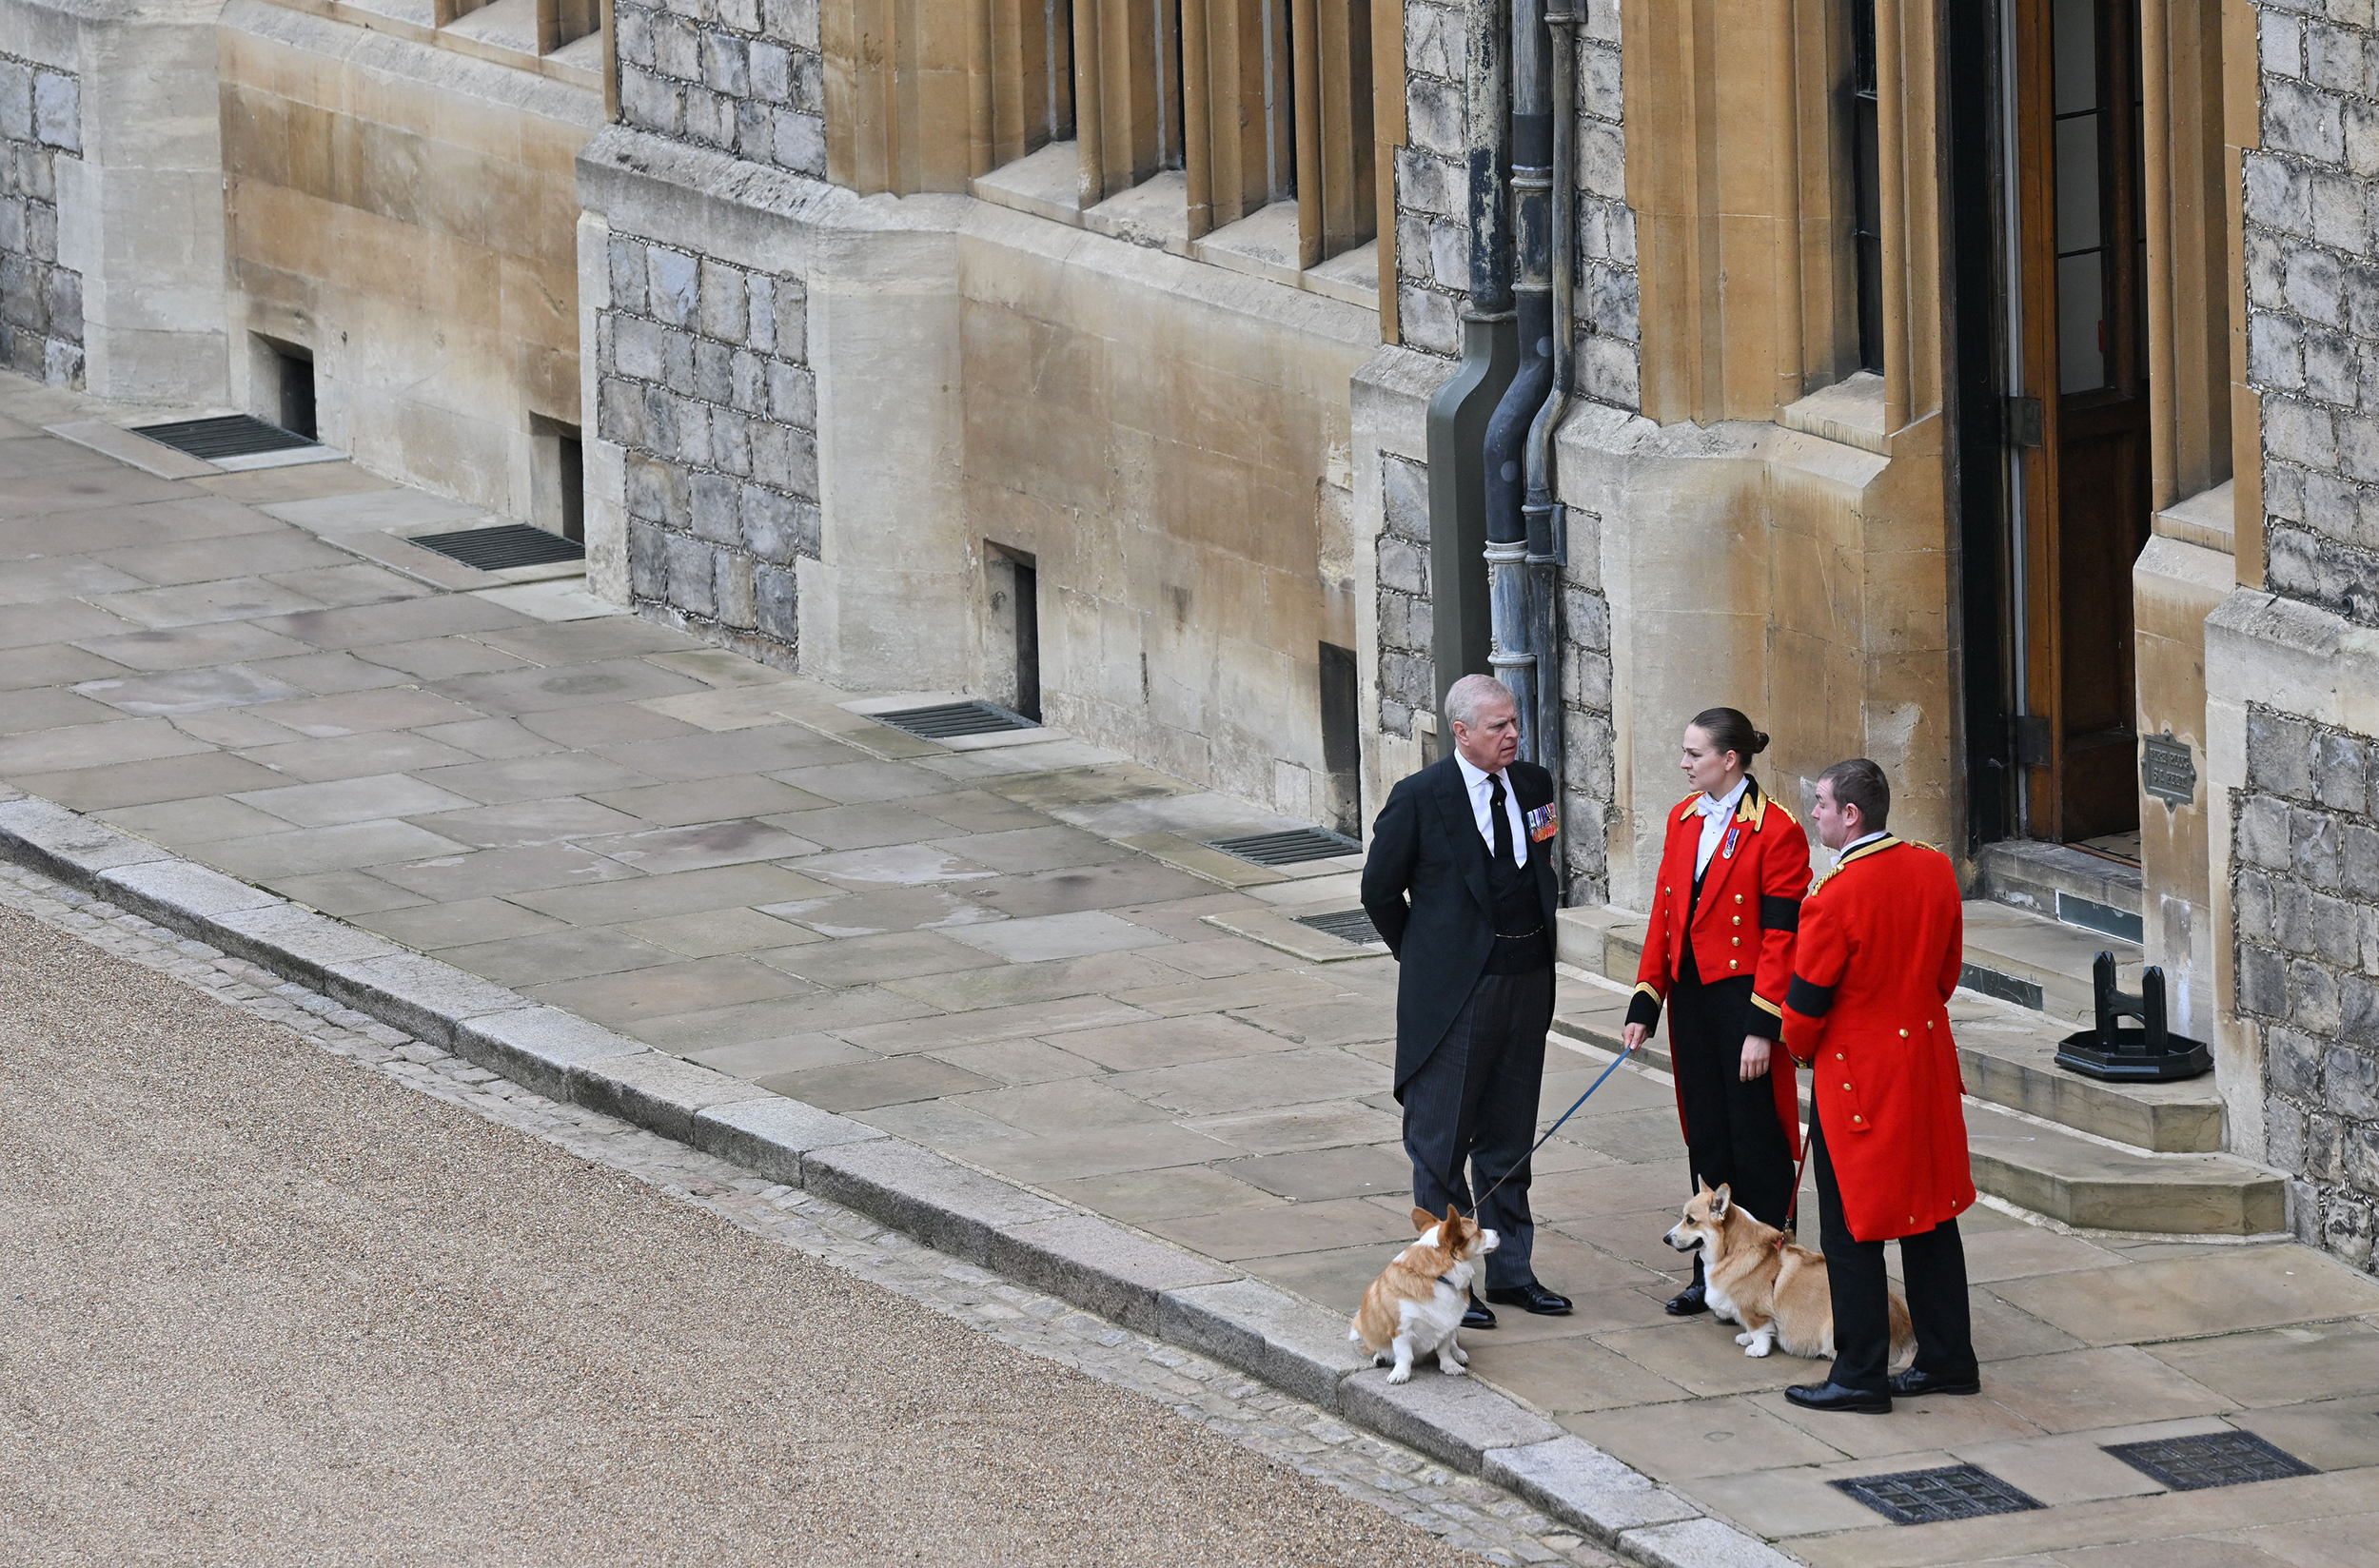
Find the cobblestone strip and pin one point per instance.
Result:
(1464, 1511)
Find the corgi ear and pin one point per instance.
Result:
(1421, 1221)
(1720, 1198)
(1451, 1217)
(1705, 1187)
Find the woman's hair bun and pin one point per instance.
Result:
(1730, 731)
(1759, 741)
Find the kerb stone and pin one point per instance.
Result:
(421, 996)
(536, 1046)
(1289, 1343)
(1585, 1488)
(655, 1091)
(294, 943)
(1456, 1421)
(65, 844)
(1100, 1265)
(771, 1135)
(180, 894)
(1699, 1543)
(939, 1201)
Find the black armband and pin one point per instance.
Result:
(1808, 1000)
(1779, 913)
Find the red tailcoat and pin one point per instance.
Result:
(1882, 940)
(1743, 925)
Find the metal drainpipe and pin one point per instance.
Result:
(1546, 518)
(1514, 656)
(1460, 409)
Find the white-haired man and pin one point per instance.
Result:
(1460, 881)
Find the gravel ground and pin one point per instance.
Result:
(259, 1306)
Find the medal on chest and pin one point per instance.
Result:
(1543, 824)
(1727, 850)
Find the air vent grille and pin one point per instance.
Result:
(1292, 847)
(2209, 1458)
(230, 436)
(1931, 1496)
(1346, 924)
(497, 549)
(951, 720)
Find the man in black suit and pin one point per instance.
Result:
(1460, 882)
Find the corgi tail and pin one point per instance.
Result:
(1903, 1335)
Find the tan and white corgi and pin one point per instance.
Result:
(1415, 1306)
(1779, 1295)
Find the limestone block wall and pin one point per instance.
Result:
(2306, 923)
(41, 300)
(742, 76)
(407, 214)
(703, 384)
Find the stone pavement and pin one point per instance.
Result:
(1022, 955)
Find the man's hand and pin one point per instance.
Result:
(1755, 1057)
(1634, 1035)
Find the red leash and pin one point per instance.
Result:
(1793, 1207)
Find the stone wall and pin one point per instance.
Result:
(41, 302)
(1408, 670)
(2303, 847)
(2306, 925)
(704, 384)
(743, 76)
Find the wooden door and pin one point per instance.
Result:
(2083, 253)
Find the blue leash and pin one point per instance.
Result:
(1624, 1054)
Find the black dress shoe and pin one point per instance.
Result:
(1531, 1296)
(1908, 1384)
(1833, 1396)
(1478, 1316)
(1687, 1301)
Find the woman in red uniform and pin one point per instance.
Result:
(1718, 955)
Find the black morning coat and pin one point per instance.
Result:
(1425, 844)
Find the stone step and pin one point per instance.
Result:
(2023, 957)
(2007, 1056)
(2063, 882)
(2050, 1169)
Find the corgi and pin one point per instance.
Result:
(1778, 1295)
(1415, 1304)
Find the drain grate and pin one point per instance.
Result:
(1292, 847)
(949, 720)
(230, 436)
(2212, 1458)
(1931, 1496)
(494, 549)
(1346, 924)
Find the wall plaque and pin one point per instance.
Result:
(2167, 772)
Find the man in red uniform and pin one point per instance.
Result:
(1882, 944)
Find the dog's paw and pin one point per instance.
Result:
(1453, 1369)
(1743, 1339)
(1402, 1374)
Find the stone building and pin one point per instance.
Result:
(1983, 388)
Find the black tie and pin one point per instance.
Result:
(1503, 823)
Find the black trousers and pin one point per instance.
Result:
(1932, 1267)
(1731, 1133)
(1474, 1103)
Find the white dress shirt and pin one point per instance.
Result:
(1715, 813)
(1864, 838)
(1482, 792)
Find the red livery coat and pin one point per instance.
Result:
(1883, 939)
(1744, 924)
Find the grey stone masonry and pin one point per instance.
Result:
(744, 76)
(1589, 784)
(41, 303)
(2313, 299)
(2305, 917)
(1408, 667)
(1433, 233)
(702, 379)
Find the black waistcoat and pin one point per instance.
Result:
(1522, 945)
